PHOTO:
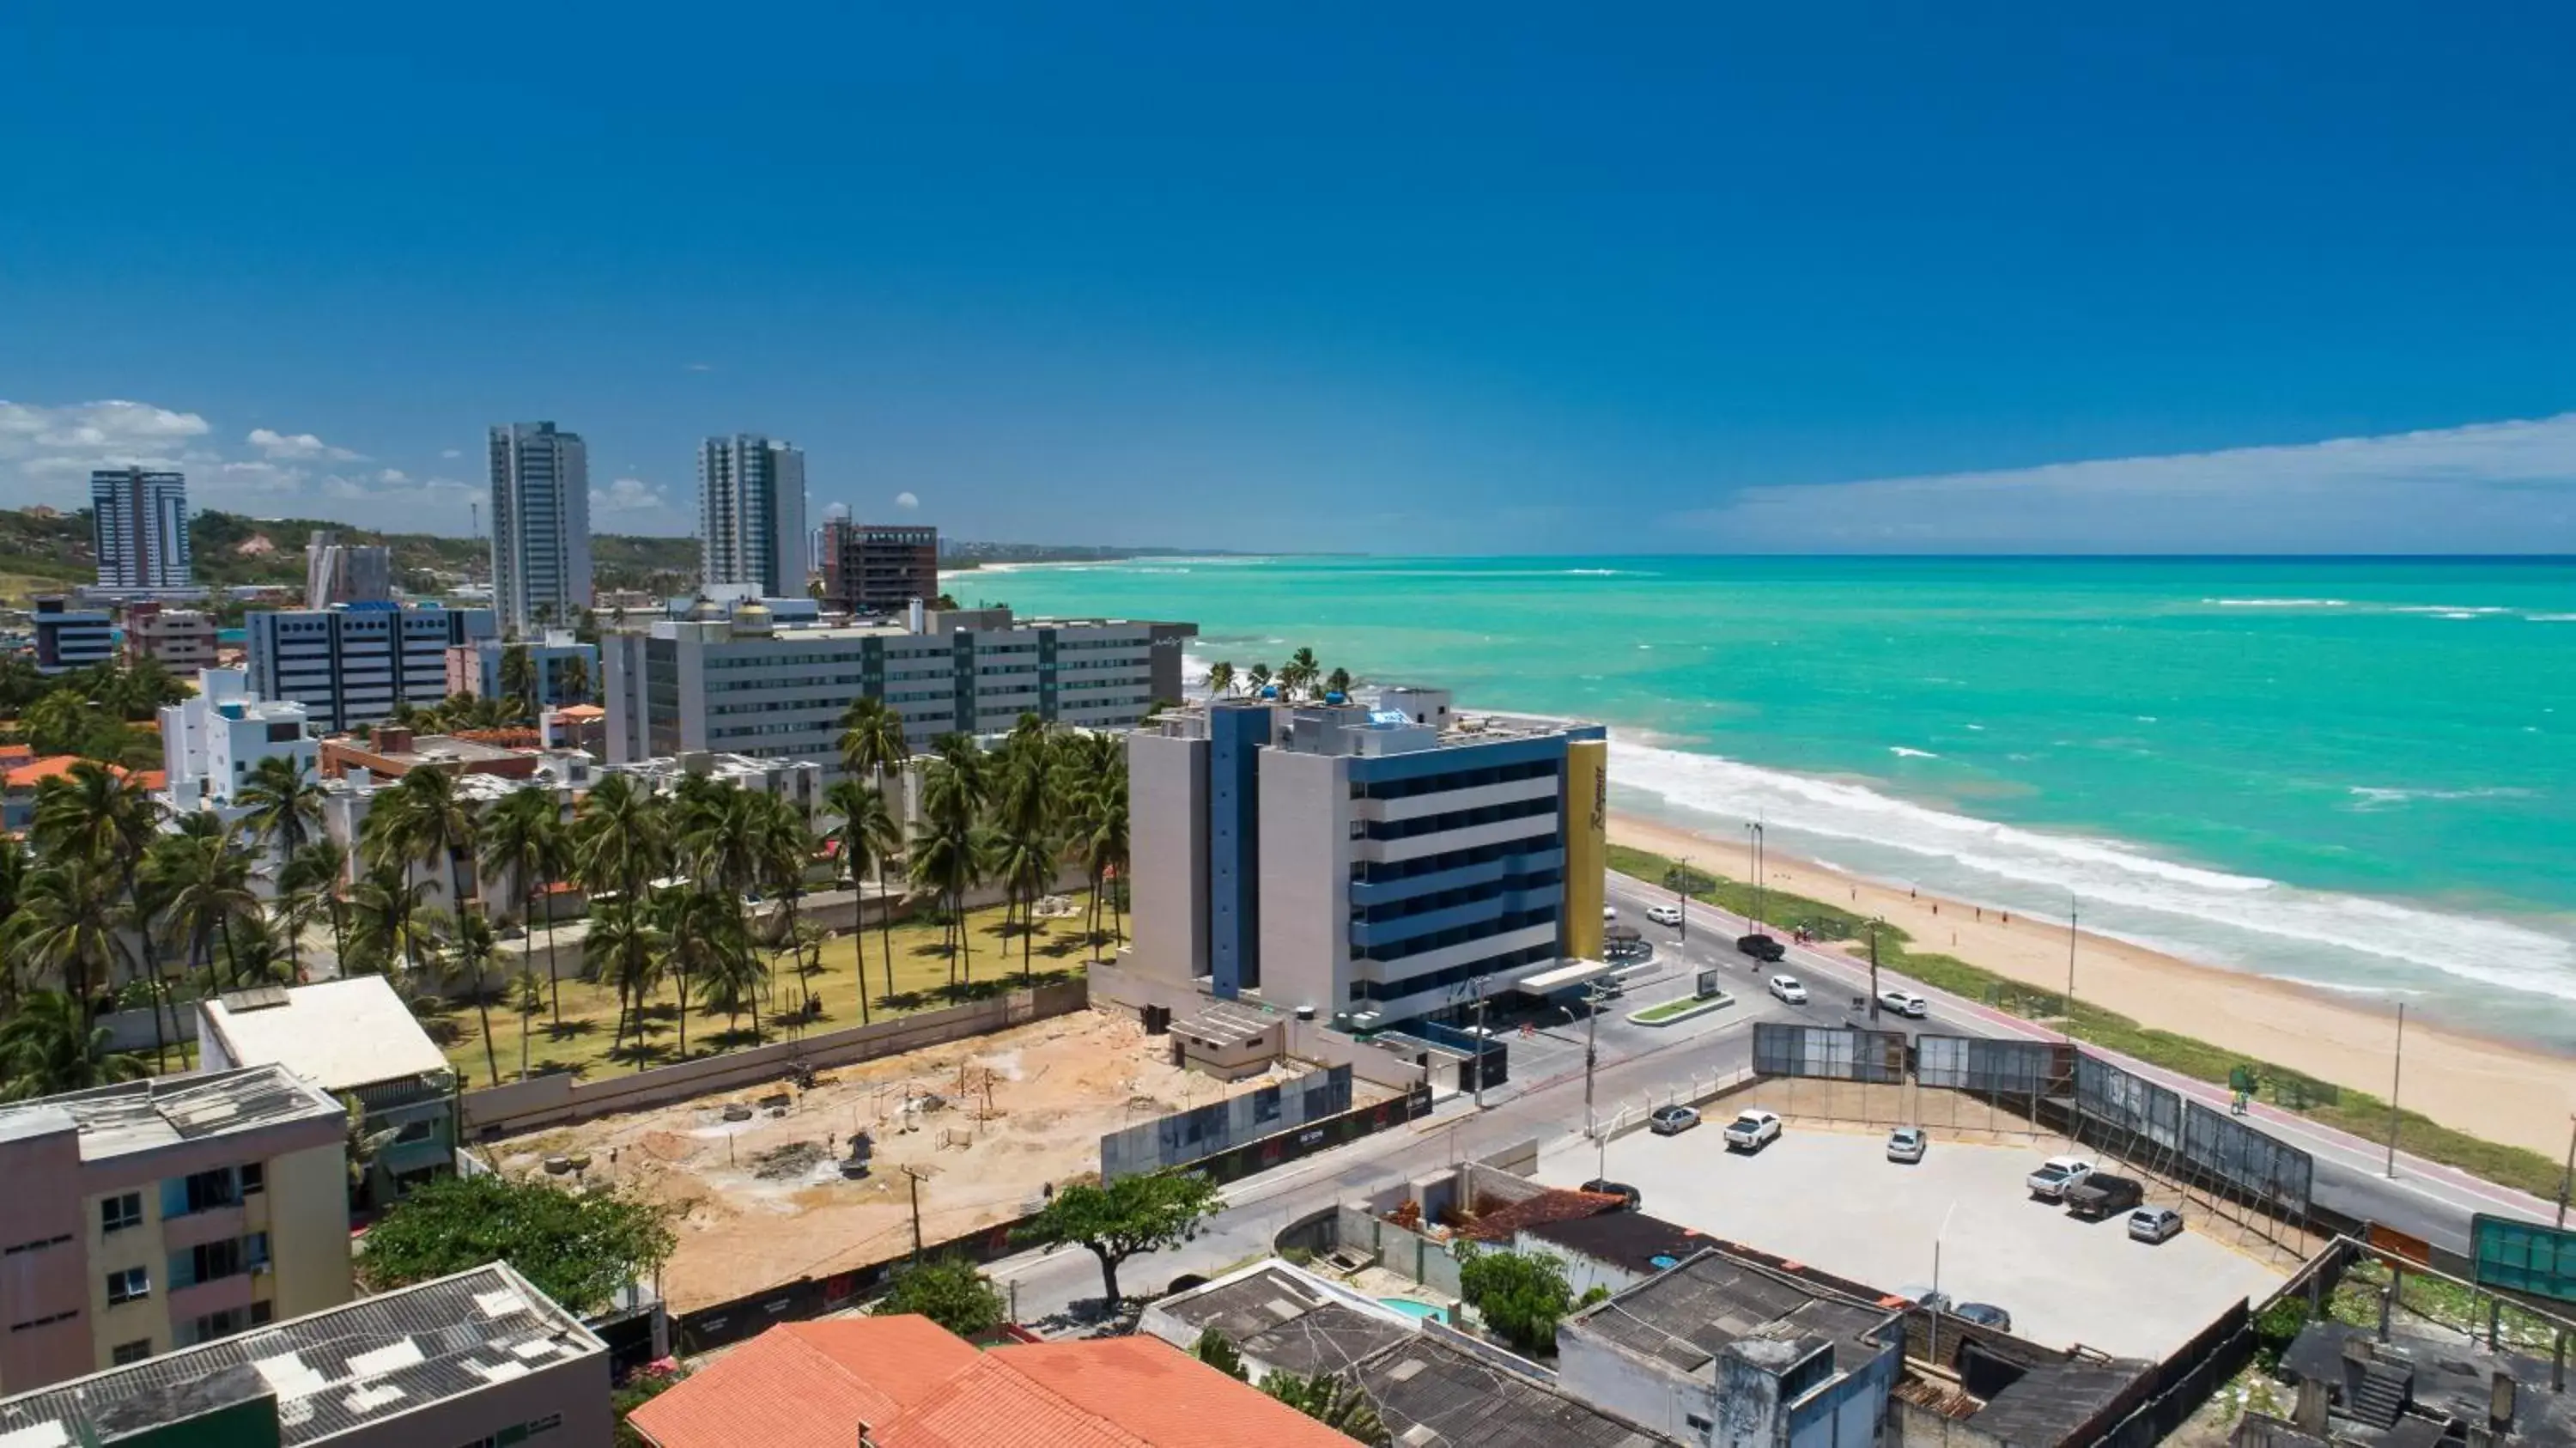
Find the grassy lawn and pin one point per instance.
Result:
(2344, 1109)
(921, 982)
(1680, 1006)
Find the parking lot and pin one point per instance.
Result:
(1830, 1198)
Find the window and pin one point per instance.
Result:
(117, 1213)
(201, 1192)
(254, 1179)
(131, 1285)
(1697, 1422)
(130, 1352)
(262, 1312)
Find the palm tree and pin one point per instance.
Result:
(708, 946)
(1338, 682)
(1220, 680)
(1332, 1400)
(621, 839)
(528, 998)
(872, 742)
(469, 949)
(1257, 680)
(200, 885)
(627, 948)
(572, 680)
(50, 1046)
(519, 677)
(867, 839)
(105, 818)
(1104, 849)
(424, 820)
(282, 805)
(523, 836)
(783, 841)
(384, 907)
(1299, 674)
(320, 867)
(1026, 862)
(66, 925)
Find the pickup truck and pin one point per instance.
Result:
(2100, 1195)
(2050, 1182)
(1751, 1131)
(1761, 947)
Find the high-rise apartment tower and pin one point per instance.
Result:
(751, 514)
(139, 524)
(540, 525)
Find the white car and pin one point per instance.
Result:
(1786, 987)
(1752, 1130)
(1906, 1143)
(1609, 914)
(1905, 1003)
(2054, 1176)
(1664, 914)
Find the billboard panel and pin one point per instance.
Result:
(1973, 1063)
(2246, 1159)
(2521, 1256)
(1828, 1053)
(2131, 1103)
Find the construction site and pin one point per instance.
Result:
(819, 1174)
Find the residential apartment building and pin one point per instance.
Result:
(567, 670)
(877, 570)
(350, 664)
(733, 682)
(139, 527)
(751, 514)
(357, 1040)
(540, 525)
(476, 1360)
(337, 572)
(1374, 864)
(212, 741)
(70, 638)
(163, 1213)
(181, 640)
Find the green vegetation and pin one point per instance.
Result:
(2324, 1102)
(578, 1250)
(1678, 1008)
(949, 1291)
(1130, 1215)
(643, 1386)
(1518, 1294)
(1332, 1400)
(1217, 1351)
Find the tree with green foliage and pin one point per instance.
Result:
(579, 1250)
(1332, 1400)
(523, 837)
(519, 678)
(949, 1291)
(866, 840)
(1518, 1294)
(1130, 1215)
(49, 1046)
(1217, 1351)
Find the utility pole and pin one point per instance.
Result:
(2072, 935)
(1681, 896)
(915, 1178)
(1592, 1033)
(1874, 923)
(2396, 1074)
(1757, 852)
(2569, 1176)
(1482, 1043)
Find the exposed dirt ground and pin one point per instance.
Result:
(988, 1122)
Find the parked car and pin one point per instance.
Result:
(2102, 1195)
(1786, 987)
(1672, 1120)
(1761, 947)
(1905, 1003)
(1752, 1130)
(1983, 1314)
(2154, 1224)
(2050, 1182)
(1609, 914)
(1906, 1143)
(1929, 1298)
(1601, 1186)
(1664, 914)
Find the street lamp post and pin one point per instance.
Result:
(1874, 924)
(2396, 1074)
(1681, 896)
(1753, 831)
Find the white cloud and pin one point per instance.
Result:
(2486, 487)
(627, 495)
(450, 453)
(702, 367)
(393, 475)
(299, 447)
(906, 501)
(43, 443)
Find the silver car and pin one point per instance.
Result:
(2154, 1224)
(1906, 1143)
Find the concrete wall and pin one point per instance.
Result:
(1167, 835)
(1643, 1390)
(575, 1390)
(1305, 870)
(131, 1030)
(556, 1100)
(1314, 1041)
(308, 1229)
(1409, 1255)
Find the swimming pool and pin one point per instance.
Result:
(1411, 1308)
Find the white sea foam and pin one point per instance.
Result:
(1901, 752)
(2448, 610)
(2373, 796)
(2278, 602)
(2550, 617)
(2243, 921)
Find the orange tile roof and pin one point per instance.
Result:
(51, 766)
(17, 751)
(581, 711)
(915, 1385)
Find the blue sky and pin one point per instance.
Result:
(1470, 278)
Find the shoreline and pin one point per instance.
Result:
(2495, 1089)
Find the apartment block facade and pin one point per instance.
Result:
(877, 570)
(751, 514)
(70, 638)
(181, 640)
(352, 663)
(151, 1216)
(540, 525)
(139, 528)
(735, 683)
(1375, 864)
(566, 669)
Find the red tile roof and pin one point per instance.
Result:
(1500, 1224)
(915, 1385)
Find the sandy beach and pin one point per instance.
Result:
(2497, 1091)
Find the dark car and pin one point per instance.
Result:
(1983, 1314)
(1600, 1186)
(1761, 947)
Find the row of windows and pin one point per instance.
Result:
(1492, 814)
(1452, 977)
(1372, 872)
(1463, 779)
(1465, 895)
(1504, 924)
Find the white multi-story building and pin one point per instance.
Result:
(540, 525)
(139, 526)
(751, 514)
(351, 664)
(211, 742)
(734, 682)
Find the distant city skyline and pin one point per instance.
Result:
(1450, 280)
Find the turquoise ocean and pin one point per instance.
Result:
(2357, 775)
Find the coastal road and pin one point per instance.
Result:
(2424, 1198)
